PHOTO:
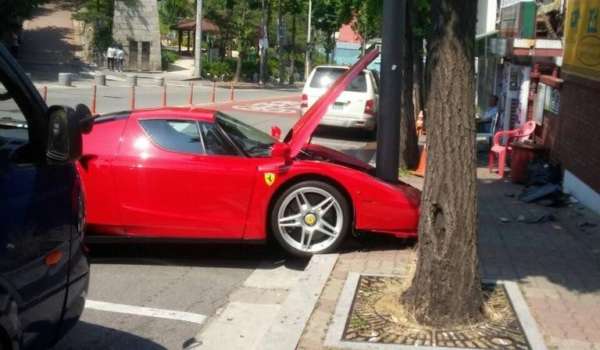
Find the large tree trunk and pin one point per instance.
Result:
(446, 287)
(409, 148)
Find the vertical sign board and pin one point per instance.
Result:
(582, 38)
(515, 95)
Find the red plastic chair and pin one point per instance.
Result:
(500, 150)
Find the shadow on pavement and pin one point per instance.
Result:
(91, 336)
(536, 244)
(372, 242)
(194, 254)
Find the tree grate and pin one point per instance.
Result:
(376, 316)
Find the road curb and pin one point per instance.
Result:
(286, 330)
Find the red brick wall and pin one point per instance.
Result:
(548, 135)
(579, 129)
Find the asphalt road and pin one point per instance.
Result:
(158, 296)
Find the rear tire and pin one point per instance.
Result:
(310, 217)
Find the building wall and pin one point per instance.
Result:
(136, 23)
(579, 133)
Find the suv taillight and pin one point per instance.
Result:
(304, 102)
(370, 107)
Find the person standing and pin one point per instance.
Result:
(120, 58)
(110, 57)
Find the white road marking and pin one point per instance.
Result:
(145, 311)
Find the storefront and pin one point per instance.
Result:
(578, 134)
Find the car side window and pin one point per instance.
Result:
(214, 142)
(13, 124)
(174, 135)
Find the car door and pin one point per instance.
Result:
(35, 211)
(181, 178)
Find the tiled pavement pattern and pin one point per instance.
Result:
(556, 263)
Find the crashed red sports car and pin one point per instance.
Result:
(182, 173)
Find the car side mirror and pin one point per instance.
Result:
(276, 132)
(65, 127)
(281, 150)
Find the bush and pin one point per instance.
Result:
(218, 70)
(167, 57)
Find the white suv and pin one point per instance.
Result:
(357, 105)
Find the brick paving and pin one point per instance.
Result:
(556, 264)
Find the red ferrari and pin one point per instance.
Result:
(184, 173)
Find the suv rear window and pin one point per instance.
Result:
(324, 77)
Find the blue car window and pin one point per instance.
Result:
(174, 135)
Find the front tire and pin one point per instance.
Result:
(310, 217)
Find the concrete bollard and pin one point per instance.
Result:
(65, 79)
(94, 99)
(132, 79)
(213, 97)
(132, 98)
(159, 81)
(164, 96)
(191, 96)
(232, 92)
(100, 79)
(45, 93)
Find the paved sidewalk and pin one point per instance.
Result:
(556, 264)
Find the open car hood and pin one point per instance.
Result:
(299, 135)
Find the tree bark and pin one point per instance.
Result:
(409, 148)
(446, 287)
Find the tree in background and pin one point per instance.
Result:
(327, 19)
(446, 288)
(365, 16)
(171, 12)
(13, 13)
(99, 15)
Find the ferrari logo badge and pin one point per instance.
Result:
(269, 178)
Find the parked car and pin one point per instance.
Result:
(356, 107)
(181, 173)
(43, 269)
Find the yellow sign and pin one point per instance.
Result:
(582, 38)
(269, 178)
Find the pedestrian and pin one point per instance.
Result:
(110, 57)
(120, 58)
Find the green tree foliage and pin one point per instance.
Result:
(366, 17)
(99, 15)
(173, 11)
(14, 12)
(327, 19)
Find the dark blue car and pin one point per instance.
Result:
(43, 268)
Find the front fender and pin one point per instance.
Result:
(378, 206)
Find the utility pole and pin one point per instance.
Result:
(388, 120)
(198, 41)
(308, 42)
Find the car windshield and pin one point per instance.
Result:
(325, 76)
(252, 141)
